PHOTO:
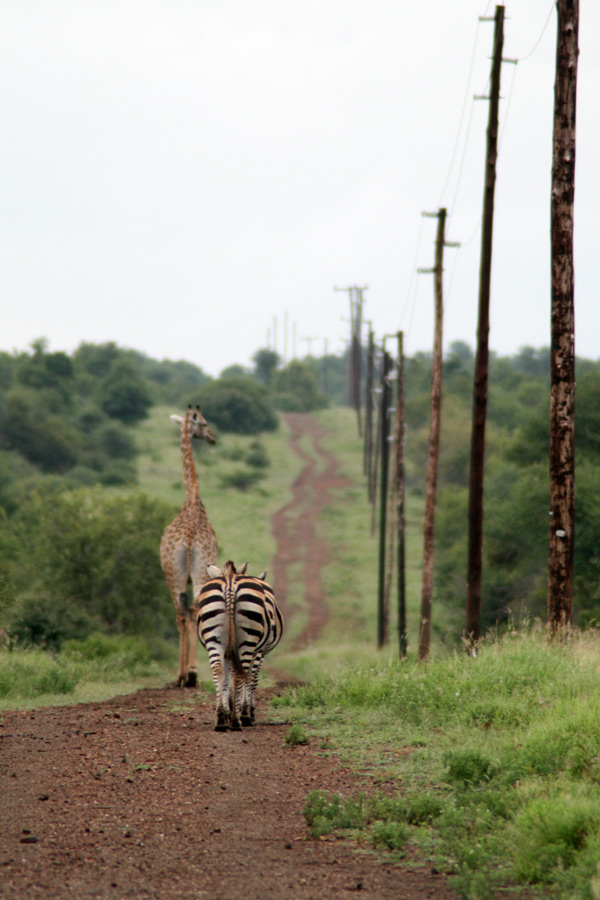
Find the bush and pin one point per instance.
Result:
(39, 621)
(237, 405)
(124, 394)
(241, 479)
(257, 456)
(108, 568)
(296, 388)
(325, 813)
(550, 834)
(296, 736)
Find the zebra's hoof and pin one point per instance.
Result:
(236, 725)
(222, 721)
(247, 721)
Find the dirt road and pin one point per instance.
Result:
(138, 797)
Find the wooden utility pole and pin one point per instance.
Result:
(368, 446)
(434, 443)
(480, 386)
(384, 456)
(354, 371)
(562, 368)
(399, 482)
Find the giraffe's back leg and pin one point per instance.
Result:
(201, 556)
(176, 563)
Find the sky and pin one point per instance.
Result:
(193, 178)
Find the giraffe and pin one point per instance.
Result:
(188, 546)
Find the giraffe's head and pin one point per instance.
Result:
(196, 425)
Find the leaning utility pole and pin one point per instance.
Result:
(475, 524)
(434, 441)
(562, 369)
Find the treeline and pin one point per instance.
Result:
(71, 414)
(67, 431)
(516, 496)
(74, 558)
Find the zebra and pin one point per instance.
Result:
(238, 622)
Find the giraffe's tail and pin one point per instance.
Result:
(183, 606)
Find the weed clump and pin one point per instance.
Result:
(296, 736)
(326, 813)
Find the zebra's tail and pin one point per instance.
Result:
(232, 653)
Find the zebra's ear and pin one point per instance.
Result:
(177, 419)
(243, 569)
(214, 571)
(263, 575)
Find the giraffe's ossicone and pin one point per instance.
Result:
(188, 546)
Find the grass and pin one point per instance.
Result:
(96, 668)
(497, 760)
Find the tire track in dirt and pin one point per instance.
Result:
(295, 527)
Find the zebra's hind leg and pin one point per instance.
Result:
(238, 689)
(221, 680)
(247, 712)
(249, 703)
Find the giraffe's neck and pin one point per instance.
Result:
(190, 479)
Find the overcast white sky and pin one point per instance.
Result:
(176, 175)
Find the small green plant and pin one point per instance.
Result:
(552, 836)
(326, 813)
(296, 736)
(391, 835)
(468, 767)
(257, 456)
(241, 479)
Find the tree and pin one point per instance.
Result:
(124, 394)
(237, 405)
(295, 389)
(108, 569)
(265, 363)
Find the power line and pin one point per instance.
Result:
(413, 272)
(462, 114)
(539, 40)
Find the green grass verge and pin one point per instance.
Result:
(491, 765)
(99, 667)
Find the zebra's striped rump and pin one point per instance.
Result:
(238, 623)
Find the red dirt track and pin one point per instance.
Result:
(138, 797)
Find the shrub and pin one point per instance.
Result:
(296, 735)
(295, 389)
(39, 621)
(241, 479)
(108, 570)
(124, 394)
(237, 405)
(391, 835)
(325, 813)
(468, 767)
(551, 833)
(257, 456)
